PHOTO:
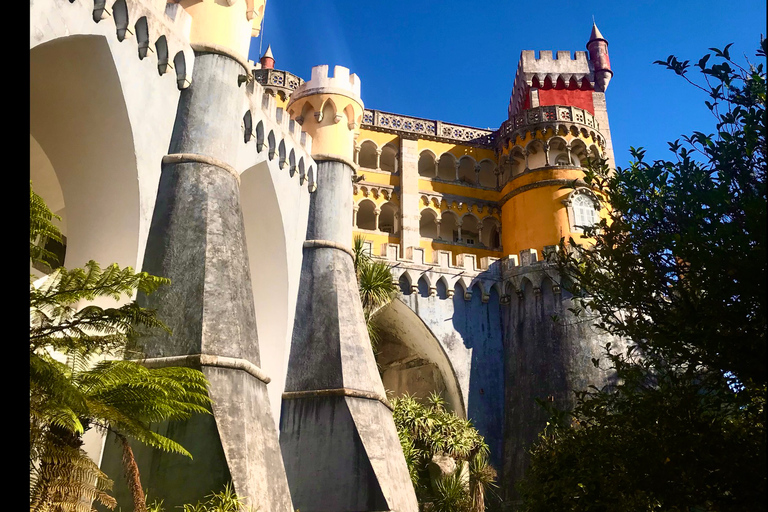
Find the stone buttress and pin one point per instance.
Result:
(197, 240)
(338, 439)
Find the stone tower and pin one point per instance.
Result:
(197, 240)
(338, 439)
(557, 119)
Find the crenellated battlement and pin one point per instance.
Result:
(342, 82)
(469, 270)
(320, 104)
(528, 58)
(569, 67)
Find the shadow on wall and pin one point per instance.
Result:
(479, 325)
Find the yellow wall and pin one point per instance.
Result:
(376, 238)
(430, 247)
(427, 185)
(537, 217)
(218, 23)
(378, 178)
(379, 138)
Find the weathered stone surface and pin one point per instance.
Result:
(548, 355)
(341, 452)
(196, 239)
(441, 466)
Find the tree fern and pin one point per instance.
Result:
(68, 398)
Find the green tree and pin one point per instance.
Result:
(678, 268)
(69, 397)
(426, 430)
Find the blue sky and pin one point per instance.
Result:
(456, 61)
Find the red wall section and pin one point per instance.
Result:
(574, 98)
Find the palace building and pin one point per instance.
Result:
(163, 148)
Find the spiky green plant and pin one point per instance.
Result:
(223, 501)
(374, 281)
(429, 429)
(451, 495)
(69, 394)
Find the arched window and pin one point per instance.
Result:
(367, 156)
(427, 224)
(366, 216)
(387, 217)
(388, 159)
(427, 165)
(583, 209)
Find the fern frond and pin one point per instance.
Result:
(91, 282)
(41, 229)
(67, 479)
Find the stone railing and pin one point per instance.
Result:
(549, 114)
(277, 78)
(429, 128)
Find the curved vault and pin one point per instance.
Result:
(411, 359)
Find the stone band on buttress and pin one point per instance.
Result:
(328, 244)
(355, 393)
(196, 360)
(222, 50)
(184, 158)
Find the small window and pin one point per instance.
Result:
(582, 210)
(470, 241)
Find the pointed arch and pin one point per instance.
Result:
(328, 112)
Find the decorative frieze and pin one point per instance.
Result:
(277, 78)
(428, 128)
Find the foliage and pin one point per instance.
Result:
(678, 268)
(428, 430)
(663, 439)
(69, 397)
(222, 501)
(374, 281)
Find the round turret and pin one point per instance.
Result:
(543, 151)
(598, 57)
(227, 23)
(330, 110)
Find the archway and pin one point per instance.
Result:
(270, 270)
(82, 154)
(411, 359)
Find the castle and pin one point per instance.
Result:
(163, 148)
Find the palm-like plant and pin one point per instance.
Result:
(69, 398)
(374, 281)
(427, 430)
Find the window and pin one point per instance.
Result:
(583, 209)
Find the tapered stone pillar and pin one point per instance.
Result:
(197, 240)
(338, 439)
